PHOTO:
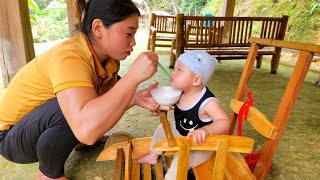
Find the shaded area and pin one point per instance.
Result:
(298, 154)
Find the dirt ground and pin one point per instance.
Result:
(298, 154)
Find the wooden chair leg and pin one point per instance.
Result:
(183, 159)
(128, 163)
(136, 171)
(221, 159)
(118, 164)
(147, 172)
(159, 170)
(259, 61)
(153, 41)
(148, 45)
(275, 61)
(318, 82)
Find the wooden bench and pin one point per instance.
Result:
(227, 37)
(162, 30)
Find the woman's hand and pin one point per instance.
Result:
(144, 67)
(143, 98)
(199, 135)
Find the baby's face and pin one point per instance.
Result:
(182, 77)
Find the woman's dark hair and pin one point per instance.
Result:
(108, 11)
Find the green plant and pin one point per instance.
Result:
(49, 23)
(314, 7)
(213, 7)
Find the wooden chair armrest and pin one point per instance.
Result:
(259, 122)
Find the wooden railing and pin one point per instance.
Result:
(162, 29)
(227, 37)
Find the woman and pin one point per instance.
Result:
(72, 92)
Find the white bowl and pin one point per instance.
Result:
(165, 96)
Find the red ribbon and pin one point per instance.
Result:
(244, 112)
(253, 158)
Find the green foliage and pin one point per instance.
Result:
(213, 7)
(49, 17)
(33, 6)
(314, 7)
(48, 23)
(304, 15)
(192, 7)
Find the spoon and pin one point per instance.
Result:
(164, 70)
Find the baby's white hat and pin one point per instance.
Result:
(199, 62)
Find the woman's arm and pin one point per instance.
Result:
(90, 116)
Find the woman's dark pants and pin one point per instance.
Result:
(42, 136)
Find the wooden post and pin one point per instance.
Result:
(228, 12)
(128, 163)
(244, 80)
(221, 159)
(183, 159)
(16, 47)
(73, 21)
(118, 164)
(152, 40)
(259, 61)
(276, 58)
(180, 35)
(166, 127)
(172, 54)
(153, 17)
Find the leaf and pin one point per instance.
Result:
(33, 18)
(315, 8)
(33, 5)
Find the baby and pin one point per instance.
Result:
(197, 113)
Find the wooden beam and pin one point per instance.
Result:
(180, 34)
(243, 84)
(73, 22)
(229, 8)
(228, 11)
(16, 43)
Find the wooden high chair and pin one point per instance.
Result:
(129, 149)
(227, 162)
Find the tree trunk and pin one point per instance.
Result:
(174, 7)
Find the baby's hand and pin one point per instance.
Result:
(199, 135)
